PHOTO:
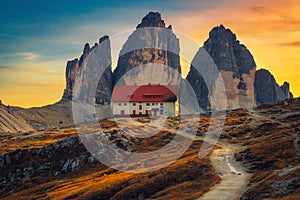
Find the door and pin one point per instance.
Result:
(133, 112)
(154, 113)
(122, 112)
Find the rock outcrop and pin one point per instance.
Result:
(267, 91)
(286, 90)
(100, 61)
(72, 70)
(62, 156)
(236, 67)
(150, 55)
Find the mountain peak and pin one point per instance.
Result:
(152, 19)
(267, 90)
(221, 32)
(105, 37)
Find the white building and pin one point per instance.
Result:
(146, 100)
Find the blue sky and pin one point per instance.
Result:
(56, 28)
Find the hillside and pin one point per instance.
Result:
(47, 117)
(264, 141)
(11, 121)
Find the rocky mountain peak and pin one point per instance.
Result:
(86, 51)
(101, 60)
(228, 53)
(105, 37)
(236, 66)
(152, 19)
(222, 33)
(149, 55)
(86, 48)
(267, 91)
(286, 90)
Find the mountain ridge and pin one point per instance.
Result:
(233, 59)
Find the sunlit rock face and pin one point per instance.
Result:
(267, 91)
(71, 71)
(236, 70)
(93, 61)
(154, 49)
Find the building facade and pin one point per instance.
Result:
(146, 100)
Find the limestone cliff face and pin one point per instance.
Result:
(150, 55)
(236, 67)
(199, 86)
(267, 91)
(72, 70)
(286, 90)
(93, 59)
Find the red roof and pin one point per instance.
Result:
(145, 93)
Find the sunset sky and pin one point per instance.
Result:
(38, 37)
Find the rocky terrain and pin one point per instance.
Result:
(56, 165)
(264, 142)
(272, 150)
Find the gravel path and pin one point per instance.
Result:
(234, 176)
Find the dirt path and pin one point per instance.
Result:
(234, 176)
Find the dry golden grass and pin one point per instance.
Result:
(268, 133)
(187, 178)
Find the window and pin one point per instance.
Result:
(119, 104)
(134, 104)
(152, 104)
(147, 104)
(161, 104)
(140, 107)
(125, 104)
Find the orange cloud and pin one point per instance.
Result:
(295, 44)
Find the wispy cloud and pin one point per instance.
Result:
(28, 55)
(293, 44)
(4, 67)
(259, 9)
